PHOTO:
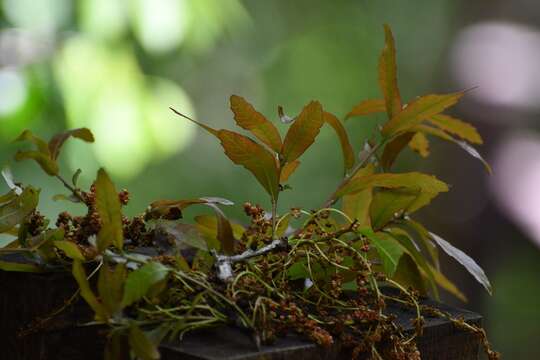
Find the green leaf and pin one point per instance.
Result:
(367, 107)
(388, 75)
(141, 280)
(422, 236)
(254, 157)
(428, 185)
(468, 263)
(86, 292)
(47, 164)
(288, 170)
(19, 267)
(387, 203)
(250, 119)
(457, 127)
(303, 131)
(208, 225)
(298, 270)
(388, 249)
(15, 211)
(109, 209)
(55, 144)
(408, 275)
(346, 148)
(419, 110)
(111, 286)
(70, 249)
(141, 345)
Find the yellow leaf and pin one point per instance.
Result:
(356, 205)
(346, 148)
(457, 127)
(287, 171)
(111, 286)
(86, 292)
(420, 144)
(70, 249)
(109, 210)
(254, 157)
(47, 164)
(367, 107)
(388, 75)
(419, 110)
(141, 345)
(250, 119)
(303, 131)
(429, 186)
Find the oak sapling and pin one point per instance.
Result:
(211, 271)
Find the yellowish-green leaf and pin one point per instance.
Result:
(86, 292)
(19, 267)
(250, 119)
(14, 211)
(367, 107)
(419, 110)
(47, 164)
(254, 157)
(141, 280)
(387, 203)
(346, 148)
(429, 186)
(408, 274)
(457, 127)
(111, 286)
(356, 205)
(420, 144)
(109, 209)
(288, 170)
(394, 148)
(70, 249)
(141, 345)
(388, 75)
(446, 284)
(55, 144)
(303, 131)
(41, 144)
(388, 248)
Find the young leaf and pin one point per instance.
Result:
(465, 260)
(388, 249)
(70, 249)
(420, 144)
(346, 148)
(254, 157)
(303, 131)
(140, 344)
(47, 164)
(55, 144)
(109, 209)
(388, 75)
(367, 107)
(428, 185)
(250, 119)
(288, 170)
(13, 212)
(141, 280)
(224, 231)
(457, 127)
(419, 110)
(394, 148)
(86, 292)
(41, 144)
(111, 286)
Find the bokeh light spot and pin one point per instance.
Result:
(13, 91)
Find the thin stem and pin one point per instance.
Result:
(75, 191)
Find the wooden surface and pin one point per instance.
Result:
(27, 297)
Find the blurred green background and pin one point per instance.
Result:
(115, 66)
